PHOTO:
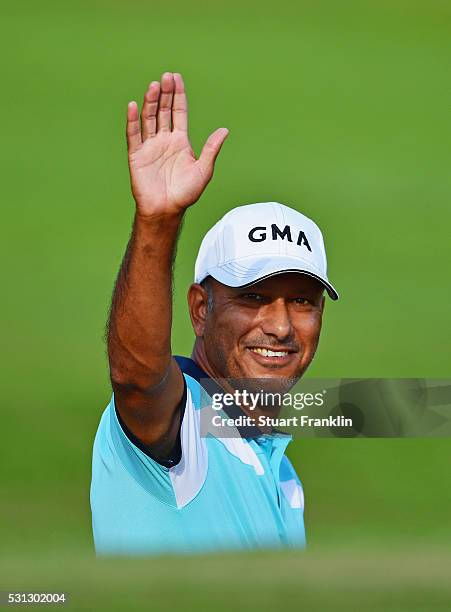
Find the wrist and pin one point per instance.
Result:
(157, 231)
(158, 218)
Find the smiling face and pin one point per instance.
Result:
(268, 330)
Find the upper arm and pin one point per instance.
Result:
(153, 415)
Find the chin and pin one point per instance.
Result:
(255, 384)
(267, 379)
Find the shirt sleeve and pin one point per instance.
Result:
(118, 460)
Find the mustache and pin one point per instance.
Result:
(271, 343)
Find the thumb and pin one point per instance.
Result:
(211, 150)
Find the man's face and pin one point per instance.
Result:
(268, 330)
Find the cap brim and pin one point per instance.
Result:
(250, 271)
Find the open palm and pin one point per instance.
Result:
(165, 175)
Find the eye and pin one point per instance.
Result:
(252, 297)
(301, 300)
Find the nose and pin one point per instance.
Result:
(276, 320)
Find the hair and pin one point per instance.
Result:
(206, 284)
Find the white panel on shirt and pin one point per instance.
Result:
(293, 492)
(189, 475)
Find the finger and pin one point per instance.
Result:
(133, 127)
(149, 110)
(210, 151)
(165, 103)
(179, 105)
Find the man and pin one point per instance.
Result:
(256, 307)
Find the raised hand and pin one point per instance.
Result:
(165, 175)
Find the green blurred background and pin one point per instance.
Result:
(340, 109)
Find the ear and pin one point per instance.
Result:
(198, 308)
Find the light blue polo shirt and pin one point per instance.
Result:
(224, 494)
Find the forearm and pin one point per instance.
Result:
(139, 330)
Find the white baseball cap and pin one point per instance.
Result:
(256, 241)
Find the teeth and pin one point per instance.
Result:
(268, 353)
